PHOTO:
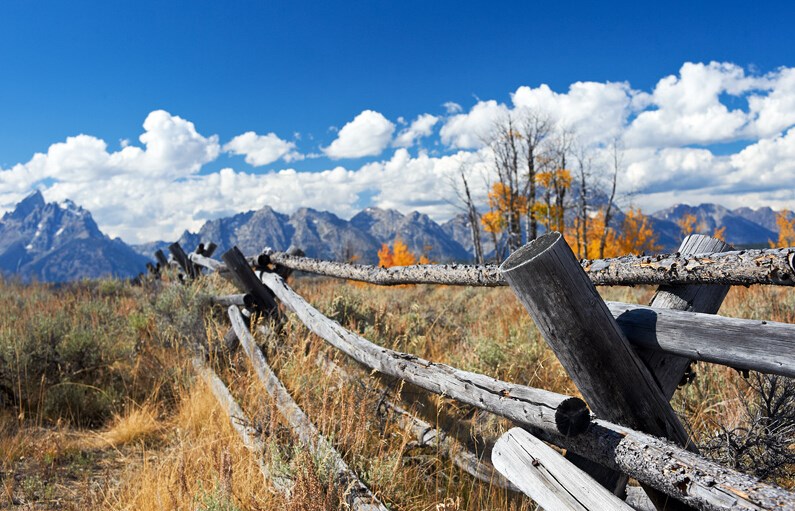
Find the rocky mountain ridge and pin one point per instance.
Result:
(53, 242)
(58, 242)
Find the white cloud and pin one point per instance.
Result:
(368, 134)
(775, 111)
(597, 112)
(767, 165)
(470, 130)
(153, 189)
(421, 127)
(451, 107)
(261, 150)
(688, 110)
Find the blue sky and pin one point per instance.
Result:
(302, 71)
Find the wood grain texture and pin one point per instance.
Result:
(661, 464)
(241, 300)
(577, 325)
(526, 405)
(759, 345)
(668, 369)
(743, 267)
(355, 493)
(246, 280)
(547, 477)
(204, 261)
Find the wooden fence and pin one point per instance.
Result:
(625, 359)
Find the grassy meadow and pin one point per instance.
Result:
(100, 407)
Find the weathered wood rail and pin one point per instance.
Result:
(355, 493)
(735, 268)
(664, 466)
(655, 345)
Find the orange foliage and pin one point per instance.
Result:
(385, 257)
(637, 234)
(492, 221)
(398, 255)
(689, 224)
(551, 212)
(503, 202)
(719, 233)
(786, 230)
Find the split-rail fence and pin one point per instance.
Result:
(625, 359)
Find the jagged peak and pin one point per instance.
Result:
(27, 206)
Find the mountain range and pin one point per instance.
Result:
(59, 242)
(53, 242)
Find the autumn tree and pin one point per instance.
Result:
(535, 129)
(582, 219)
(517, 143)
(687, 223)
(637, 234)
(506, 208)
(555, 180)
(506, 150)
(616, 164)
(785, 221)
(473, 217)
(398, 255)
(601, 239)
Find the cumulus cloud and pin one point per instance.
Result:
(675, 138)
(597, 112)
(421, 127)
(470, 130)
(82, 169)
(262, 150)
(368, 134)
(687, 109)
(775, 111)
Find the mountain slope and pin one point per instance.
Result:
(58, 242)
(739, 230)
(324, 235)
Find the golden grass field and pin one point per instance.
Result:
(100, 407)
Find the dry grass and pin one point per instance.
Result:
(162, 442)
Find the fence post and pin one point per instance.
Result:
(162, 260)
(182, 259)
(248, 282)
(574, 320)
(669, 369)
(209, 249)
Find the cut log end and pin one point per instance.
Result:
(572, 417)
(530, 251)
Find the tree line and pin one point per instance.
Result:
(541, 178)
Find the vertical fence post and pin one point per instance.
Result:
(669, 369)
(574, 320)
